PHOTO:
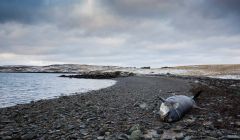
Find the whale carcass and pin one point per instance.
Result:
(175, 107)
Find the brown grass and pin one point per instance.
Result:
(213, 69)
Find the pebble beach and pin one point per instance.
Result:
(129, 110)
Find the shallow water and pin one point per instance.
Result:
(20, 88)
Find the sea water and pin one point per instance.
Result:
(21, 88)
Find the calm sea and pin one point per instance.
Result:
(20, 88)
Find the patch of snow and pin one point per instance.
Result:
(161, 71)
(226, 76)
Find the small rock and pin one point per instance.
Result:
(73, 136)
(109, 122)
(219, 133)
(70, 127)
(82, 126)
(57, 126)
(87, 137)
(214, 134)
(189, 121)
(6, 121)
(177, 129)
(210, 138)
(187, 138)
(136, 135)
(151, 134)
(6, 133)
(143, 106)
(136, 104)
(166, 126)
(123, 137)
(232, 137)
(196, 81)
(179, 136)
(102, 132)
(159, 131)
(220, 120)
(169, 134)
(88, 103)
(107, 133)
(201, 119)
(91, 119)
(208, 124)
(233, 85)
(7, 138)
(100, 138)
(237, 124)
(135, 127)
(83, 132)
(147, 137)
(28, 136)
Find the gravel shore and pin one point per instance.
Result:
(129, 110)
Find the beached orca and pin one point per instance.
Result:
(175, 107)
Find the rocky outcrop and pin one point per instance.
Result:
(100, 75)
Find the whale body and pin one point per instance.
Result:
(175, 107)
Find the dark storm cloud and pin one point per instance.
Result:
(184, 14)
(226, 7)
(163, 8)
(29, 11)
(21, 10)
(120, 32)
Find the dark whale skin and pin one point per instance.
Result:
(182, 104)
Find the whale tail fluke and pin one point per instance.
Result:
(161, 99)
(197, 94)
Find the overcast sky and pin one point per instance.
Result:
(120, 32)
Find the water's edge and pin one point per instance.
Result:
(22, 88)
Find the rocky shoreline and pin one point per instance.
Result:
(129, 110)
